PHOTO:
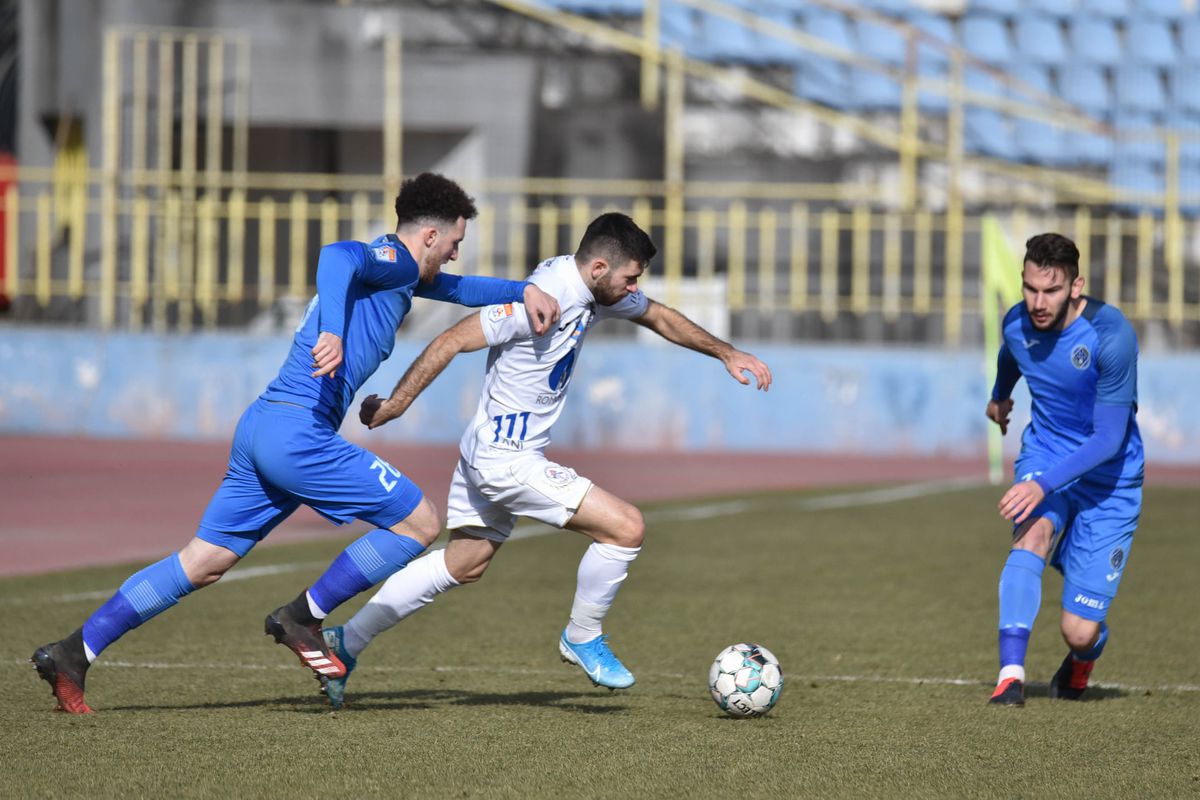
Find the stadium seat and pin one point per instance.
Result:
(1094, 40)
(874, 91)
(1189, 187)
(1184, 82)
(776, 49)
(823, 80)
(1086, 87)
(1039, 40)
(1149, 41)
(722, 39)
(1135, 178)
(1002, 8)
(1031, 79)
(1165, 9)
(1110, 9)
(1089, 149)
(984, 82)
(881, 42)
(1062, 9)
(1138, 141)
(1140, 90)
(1039, 142)
(936, 27)
(988, 133)
(932, 102)
(1189, 39)
(679, 29)
(986, 38)
(830, 26)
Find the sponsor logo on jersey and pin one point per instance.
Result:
(497, 313)
(560, 476)
(385, 253)
(1081, 356)
(1091, 602)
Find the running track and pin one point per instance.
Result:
(67, 503)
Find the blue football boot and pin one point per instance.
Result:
(597, 661)
(335, 688)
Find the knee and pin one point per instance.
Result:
(1080, 635)
(423, 524)
(633, 528)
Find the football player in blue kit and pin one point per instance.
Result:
(286, 448)
(1078, 489)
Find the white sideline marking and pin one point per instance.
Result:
(463, 669)
(529, 530)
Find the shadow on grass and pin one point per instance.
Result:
(1094, 694)
(414, 699)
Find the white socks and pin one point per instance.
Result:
(405, 592)
(1011, 671)
(601, 571)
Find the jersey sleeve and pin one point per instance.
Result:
(1117, 365)
(505, 322)
(631, 306)
(1008, 372)
(471, 290)
(336, 268)
(1109, 425)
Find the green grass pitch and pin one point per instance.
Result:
(882, 615)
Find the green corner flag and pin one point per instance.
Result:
(1001, 289)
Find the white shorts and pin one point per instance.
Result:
(529, 486)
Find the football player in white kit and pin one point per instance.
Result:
(503, 472)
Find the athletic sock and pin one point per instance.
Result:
(1092, 653)
(401, 595)
(367, 561)
(601, 571)
(146, 593)
(1020, 599)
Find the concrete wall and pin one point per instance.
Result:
(625, 394)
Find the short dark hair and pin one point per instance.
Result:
(1053, 250)
(430, 197)
(617, 239)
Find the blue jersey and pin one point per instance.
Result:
(364, 292)
(1077, 378)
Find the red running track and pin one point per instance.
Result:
(68, 503)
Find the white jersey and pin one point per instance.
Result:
(527, 375)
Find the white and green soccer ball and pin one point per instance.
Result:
(745, 680)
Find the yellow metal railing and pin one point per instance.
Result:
(219, 257)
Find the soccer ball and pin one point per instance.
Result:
(745, 680)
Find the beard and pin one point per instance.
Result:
(429, 267)
(1055, 320)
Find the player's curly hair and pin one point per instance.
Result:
(617, 239)
(1054, 250)
(432, 198)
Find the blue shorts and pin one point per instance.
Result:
(284, 456)
(1094, 525)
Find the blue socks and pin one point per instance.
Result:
(147, 593)
(366, 562)
(1020, 599)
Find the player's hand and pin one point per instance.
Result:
(1020, 500)
(327, 355)
(739, 363)
(542, 309)
(375, 411)
(998, 413)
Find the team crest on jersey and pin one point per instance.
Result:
(497, 313)
(560, 476)
(385, 253)
(1116, 558)
(1081, 356)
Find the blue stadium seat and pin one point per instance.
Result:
(1094, 40)
(1189, 187)
(1189, 39)
(1111, 9)
(986, 38)
(1137, 142)
(1140, 90)
(831, 26)
(599, 8)
(1030, 80)
(679, 28)
(1149, 41)
(1184, 81)
(874, 91)
(722, 39)
(984, 82)
(1003, 8)
(881, 42)
(1062, 9)
(936, 27)
(988, 133)
(1040, 143)
(1085, 86)
(1135, 178)
(823, 80)
(1164, 9)
(932, 102)
(775, 49)
(1039, 40)
(1089, 149)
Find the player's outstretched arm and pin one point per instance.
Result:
(463, 337)
(678, 329)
